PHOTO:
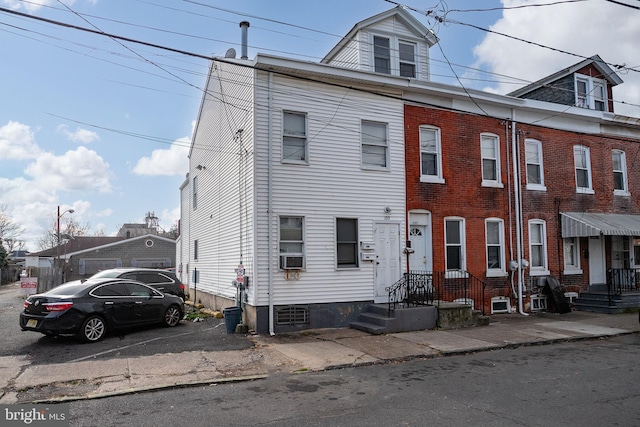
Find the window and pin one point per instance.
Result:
(582, 162)
(382, 54)
(535, 171)
(407, 52)
(490, 149)
(591, 93)
(195, 249)
(454, 244)
(291, 242)
(430, 155)
(294, 137)
(571, 255)
(195, 193)
(495, 247)
(538, 248)
(347, 242)
(620, 182)
(374, 144)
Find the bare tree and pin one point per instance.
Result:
(68, 227)
(10, 232)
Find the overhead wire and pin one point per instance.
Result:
(159, 46)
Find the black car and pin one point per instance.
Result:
(91, 308)
(163, 280)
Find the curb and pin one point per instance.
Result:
(185, 384)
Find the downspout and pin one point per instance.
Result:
(270, 204)
(517, 197)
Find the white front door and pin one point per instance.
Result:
(387, 263)
(420, 259)
(597, 270)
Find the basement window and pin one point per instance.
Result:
(292, 316)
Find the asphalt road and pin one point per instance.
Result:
(580, 383)
(209, 334)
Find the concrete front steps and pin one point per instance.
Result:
(377, 320)
(598, 302)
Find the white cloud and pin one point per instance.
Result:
(165, 162)
(83, 136)
(583, 28)
(34, 5)
(17, 142)
(78, 170)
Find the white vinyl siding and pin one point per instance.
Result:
(323, 190)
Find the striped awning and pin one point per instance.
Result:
(581, 224)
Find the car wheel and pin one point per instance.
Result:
(93, 329)
(172, 316)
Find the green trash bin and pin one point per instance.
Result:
(232, 317)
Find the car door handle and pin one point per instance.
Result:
(138, 302)
(108, 303)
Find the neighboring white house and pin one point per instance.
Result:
(297, 179)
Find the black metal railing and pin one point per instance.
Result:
(428, 288)
(622, 280)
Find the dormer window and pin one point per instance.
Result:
(382, 54)
(396, 57)
(591, 93)
(407, 59)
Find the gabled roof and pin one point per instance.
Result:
(595, 60)
(77, 244)
(82, 244)
(400, 14)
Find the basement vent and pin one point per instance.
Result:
(500, 305)
(538, 302)
(292, 316)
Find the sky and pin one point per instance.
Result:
(103, 126)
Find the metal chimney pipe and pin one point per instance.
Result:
(245, 30)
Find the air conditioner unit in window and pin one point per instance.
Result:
(291, 262)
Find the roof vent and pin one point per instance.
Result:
(231, 53)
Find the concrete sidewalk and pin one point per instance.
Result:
(310, 350)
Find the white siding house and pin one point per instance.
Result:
(297, 173)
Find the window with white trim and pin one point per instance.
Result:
(294, 137)
(538, 264)
(582, 161)
(591, 93)
(382, 54)
(430, 155)
(535, 169)
(620, 180)
(490, 149)
(494, 229)
(407, 57)
(454, 239)
(375, 148)
(291, 242)
(347, 242)
(195, 192)
(571, 246)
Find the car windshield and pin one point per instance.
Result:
(106, 273)
(67, 289)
